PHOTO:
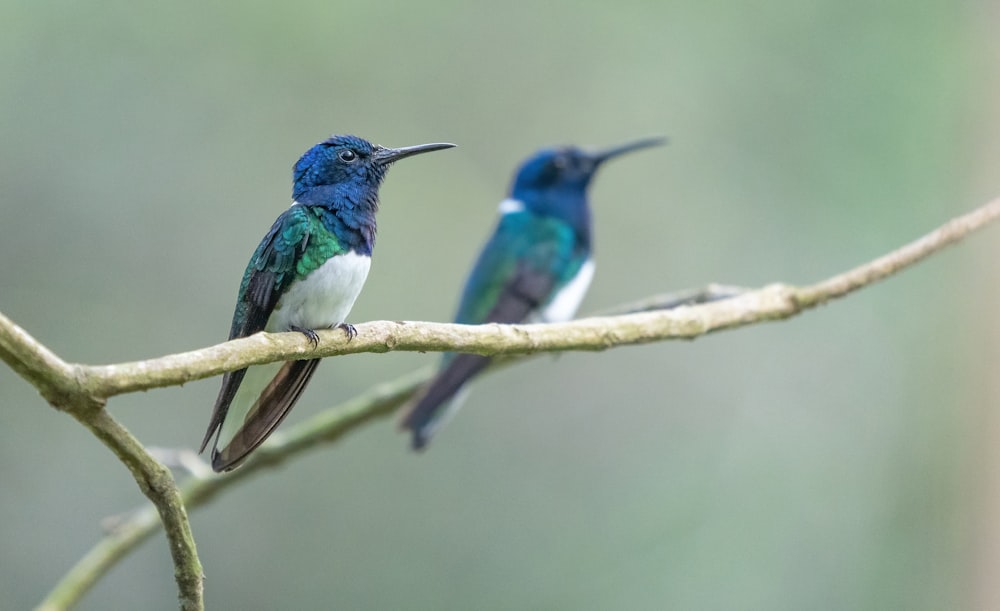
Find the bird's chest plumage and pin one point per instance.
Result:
(322, 298)
(568, 297)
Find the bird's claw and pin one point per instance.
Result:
(311, 335)
(349, 330)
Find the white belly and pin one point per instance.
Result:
(322, 299)
(567, 301)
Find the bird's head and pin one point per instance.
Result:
(348, 168)
(554, 181)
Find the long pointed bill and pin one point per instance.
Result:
(386, 156)
(602, 156)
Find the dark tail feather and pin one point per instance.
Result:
(267, 413)
(230, 384)
(425, 414)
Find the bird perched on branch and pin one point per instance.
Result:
(536, 267)
(304, 275)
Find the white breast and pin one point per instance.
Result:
(322, 299)
(567, 301)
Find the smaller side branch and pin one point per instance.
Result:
(157, 484)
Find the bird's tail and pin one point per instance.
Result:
(263, 400)
(441, 398)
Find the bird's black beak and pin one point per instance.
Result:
(385, 156)
(601, 156)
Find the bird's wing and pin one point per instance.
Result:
(517, 270)
(516, 273)
(270, 271)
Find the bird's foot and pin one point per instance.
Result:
(349, 330)
(309, 333)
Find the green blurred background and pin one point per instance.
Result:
(840, 460)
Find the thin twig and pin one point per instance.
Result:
(869, 273)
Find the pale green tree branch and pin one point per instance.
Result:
(81, 390)
(59, 383)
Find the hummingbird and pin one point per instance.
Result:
(536, 267)
(304, 275)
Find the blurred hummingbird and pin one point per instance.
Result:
(304, 275)
(536, 267)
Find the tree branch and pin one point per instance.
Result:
(869, 273)
(328, 426)
(59, 383)
(774, 302)
(156, 482)
(203, 485)
(81, 390)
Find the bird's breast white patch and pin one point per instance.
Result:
(567, 301)
(322, 299)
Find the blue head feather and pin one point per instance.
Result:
(341, 177)
(553, 182)
(341, 171)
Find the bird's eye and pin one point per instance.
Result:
(348, 156)
(560, 163)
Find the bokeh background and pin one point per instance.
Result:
(841, 460)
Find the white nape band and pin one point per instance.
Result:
(511, 206)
